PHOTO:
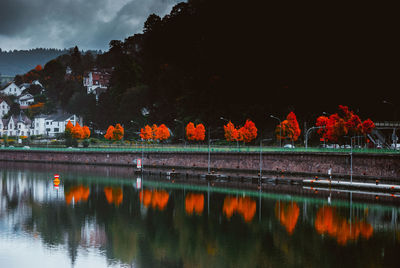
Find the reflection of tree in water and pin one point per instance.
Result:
(328, 221)
(167, 236)
(244, 206)
(287, 214)
(113, 195)
(194, 203)
(156, 198)
(77, 193)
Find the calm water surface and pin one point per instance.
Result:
(104, 219)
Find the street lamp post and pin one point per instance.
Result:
(308, 131)
(280, 129)
(351, 157)
(261, 156)
(209, 153)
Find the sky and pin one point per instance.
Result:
(89, 24)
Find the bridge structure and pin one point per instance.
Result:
(385, 133)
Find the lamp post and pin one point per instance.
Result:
(351, 157)
(307, 132)
(183, 130)
(209, 152)
(280, 129)
(261, 156)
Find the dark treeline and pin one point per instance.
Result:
(20, 61)
(208, 59)
(15, 62)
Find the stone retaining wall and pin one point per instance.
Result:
(384, 166)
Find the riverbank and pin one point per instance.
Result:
(365, 166)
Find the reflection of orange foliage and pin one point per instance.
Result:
(78, 193)
(288, 214)
(194, 202)
(243, 205)
(157, 198)
(113, 195)
(328, 221)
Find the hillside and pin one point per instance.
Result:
(21, 61)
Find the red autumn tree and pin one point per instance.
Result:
(288, 129)
(86, 132)
(69, 127)
(367, 126)
(154, 129)
(200, 132)
(109, 134)
(77, 132)
(162, 133)
(231, 133)
(190, 131)
(248, 131)
(345, 122)
(118, 133)
(38, 68)
(146, 133)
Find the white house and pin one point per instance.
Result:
(97, 81)
(17, 125)
(12, 89)
(25, 100)
(39, 125)
(4, 108)
(55, 124)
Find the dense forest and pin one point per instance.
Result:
(211, 59)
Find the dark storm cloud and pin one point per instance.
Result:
(90, 24)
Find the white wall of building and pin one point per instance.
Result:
(12, 89)
(4, 108)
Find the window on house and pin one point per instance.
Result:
(56, 129)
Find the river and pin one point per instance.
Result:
(113, 217)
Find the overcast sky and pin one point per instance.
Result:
(89, 24)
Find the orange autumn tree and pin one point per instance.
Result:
(162, 133)
(155, 133)
(200, 132)
(190, 131)
(146, 133)
(248, 132)
(288, 129)
(118, 133)
(86, 132)
(69, 127)
(109, 133)
(231, 133)
(195, 133)
(114, 133)
(77, 132)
